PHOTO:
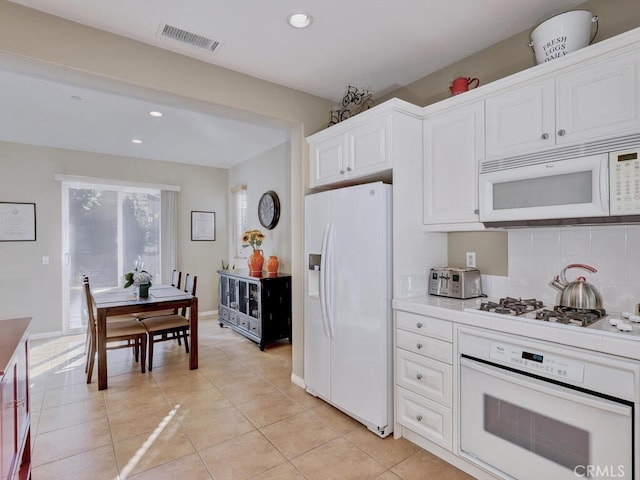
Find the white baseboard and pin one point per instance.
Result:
(298, 381)
(40, 336)
(207, 313)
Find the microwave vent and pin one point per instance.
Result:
(189, 38)
(562, 153)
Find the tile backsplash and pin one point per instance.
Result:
(537, 255)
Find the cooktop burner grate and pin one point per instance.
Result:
(512, 306)
(581, 317)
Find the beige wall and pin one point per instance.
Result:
(490, 249)
(53, 43)
(269, 171)
(30, 288)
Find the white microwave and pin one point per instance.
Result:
(575, 189)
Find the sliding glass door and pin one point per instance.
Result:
(105, 230)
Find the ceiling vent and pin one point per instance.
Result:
(175, 33)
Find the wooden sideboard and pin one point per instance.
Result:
(15, 420)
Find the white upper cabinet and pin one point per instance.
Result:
(328, 161)
(362, 145)
(521, 119)
(453, 146)
(358, 151)
(598, 100)
(369, 147)
(593, 100)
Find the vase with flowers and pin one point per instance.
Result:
(140, 279)
(254, 239)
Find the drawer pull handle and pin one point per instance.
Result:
(419, 345)
(419, 418)
(419, 376)
(419, 325)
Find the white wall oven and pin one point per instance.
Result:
(587, 186)
(532, 410)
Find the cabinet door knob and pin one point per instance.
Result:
(341, 172)
(419, 346)
(545, 136)
(419, 418)
(418, 325)
(348, 169)
(561, 132)
(476, 211)
(419, 376)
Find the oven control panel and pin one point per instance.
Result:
(540, 363)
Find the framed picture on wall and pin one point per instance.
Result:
(203, 226)
(17, 222)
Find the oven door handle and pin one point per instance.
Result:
(546, 387)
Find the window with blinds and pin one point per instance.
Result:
(239, 205)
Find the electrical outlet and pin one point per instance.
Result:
(471, 259)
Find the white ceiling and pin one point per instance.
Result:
(376, 44)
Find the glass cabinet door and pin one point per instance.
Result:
(254, 300)
(243, 296)
(224, 291)
(233, 293)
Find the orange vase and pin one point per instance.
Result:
(255, 262)
(272, 264)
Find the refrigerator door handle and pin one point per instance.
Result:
(323, 275)
(329, 281)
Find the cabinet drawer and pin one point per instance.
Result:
(427, 377)
(433, 327)
(429, 347)
(243, 322)
(254, 327)
(224, 313)
(434, 422)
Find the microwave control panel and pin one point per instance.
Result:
(624, 182)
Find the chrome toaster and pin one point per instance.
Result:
(455, 282)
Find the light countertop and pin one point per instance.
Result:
(599, 338)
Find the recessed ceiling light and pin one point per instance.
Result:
(155, 114)
(75, 98)
(136, 140)
(300, 20)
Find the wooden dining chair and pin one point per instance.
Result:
(176, 276)
(170, 327)
(123, 333)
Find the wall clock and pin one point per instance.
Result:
(269, 209)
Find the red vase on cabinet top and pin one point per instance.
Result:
(255, 262)
(272, 264)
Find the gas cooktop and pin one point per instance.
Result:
(533, 309)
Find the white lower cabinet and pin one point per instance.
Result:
(429, 378)
(428, 419)
(424, 377)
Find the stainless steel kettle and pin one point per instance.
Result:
(579, 293)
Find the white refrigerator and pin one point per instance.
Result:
(347, 312)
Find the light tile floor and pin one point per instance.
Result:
(238, 416)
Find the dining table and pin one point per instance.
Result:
(122, 301)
